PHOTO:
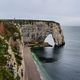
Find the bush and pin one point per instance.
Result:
(3, 46)
(15, 49)
(5, 74)
(18, 59)
(3, 60)
(17, 78)
(10, 29)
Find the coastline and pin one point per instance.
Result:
(43, 74)
(31, 72)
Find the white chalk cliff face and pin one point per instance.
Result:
(37, 31)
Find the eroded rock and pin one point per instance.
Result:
(39, 30)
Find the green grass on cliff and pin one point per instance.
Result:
(5, 73)
(3, 51)
(10, 29)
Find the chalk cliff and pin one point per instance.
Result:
(34, 33)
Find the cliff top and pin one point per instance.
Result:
(27, 21)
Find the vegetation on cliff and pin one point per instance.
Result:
(10, 55)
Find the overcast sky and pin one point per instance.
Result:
(67, 12)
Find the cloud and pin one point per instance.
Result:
(74, 21)
(45, 7)
(41, 9)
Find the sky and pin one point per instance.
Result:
(66, 12)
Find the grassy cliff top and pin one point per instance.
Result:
(22, 21)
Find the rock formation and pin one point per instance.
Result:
(11, 59)
(37, 31)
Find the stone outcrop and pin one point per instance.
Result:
(35, 33)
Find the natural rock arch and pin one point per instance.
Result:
(39, 30)
(49, 40)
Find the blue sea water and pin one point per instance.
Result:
(63, 63)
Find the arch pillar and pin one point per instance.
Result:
(58, 36)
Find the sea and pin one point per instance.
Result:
(62, 63)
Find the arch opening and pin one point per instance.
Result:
(50, 40)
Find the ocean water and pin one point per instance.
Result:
(62, 63)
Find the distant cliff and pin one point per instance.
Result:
(11, 59)
(35, 32)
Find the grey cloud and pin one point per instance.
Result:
(39, 9)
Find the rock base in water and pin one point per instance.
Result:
(38, 44)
